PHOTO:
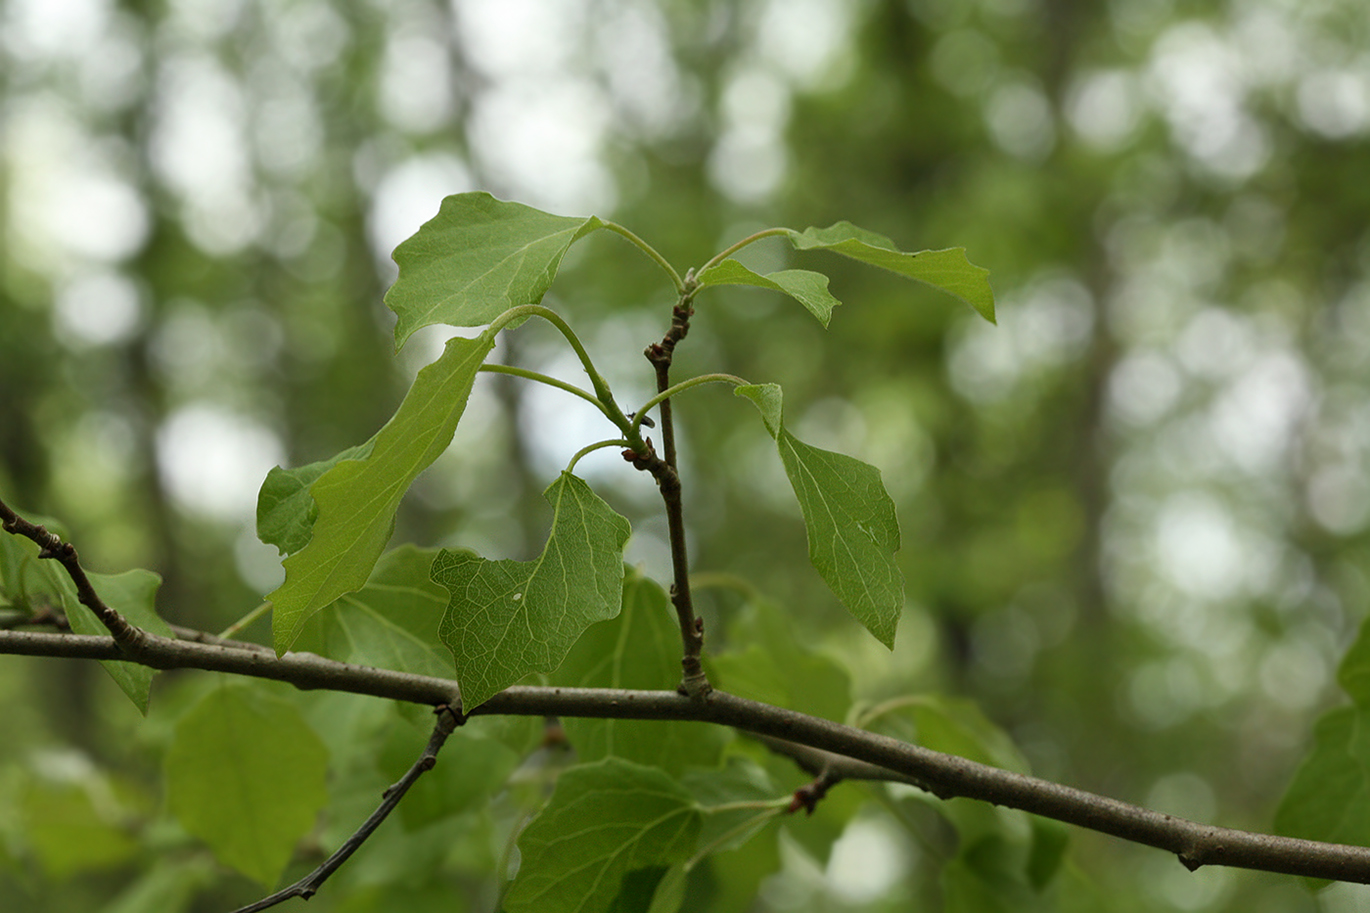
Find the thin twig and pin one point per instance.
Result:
(51, 546)
(309, 885)
(835, 766)
(666, 472)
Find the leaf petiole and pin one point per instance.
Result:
(232, 630)
(651, 252)
(603, 394)
(772, 808)
(641, 414)
(750, 239)
(590, 448)
(549, 381)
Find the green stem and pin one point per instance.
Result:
(232, 630)
(597, 445)
(651, 252)
(681, 387)
(603, 394)
(771, 809)
(750, 239)
(549, 381)
(869, 716)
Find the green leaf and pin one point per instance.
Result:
(29, 583)
(670, 890)
(640, 648)
(720, 791)
(948, 270)
(1329, 798)
(391, 623)
(169, 887)
(773, 667)
(246, 775)
(735, 876)
(133, 594)
(952, 726)
(357, 498)
(1003, 851)
(849, 518)
(286, 511)
(477, 258)
(1354, 673)
(808, 288)
(605, 822)
(75, 825)
(509, 618)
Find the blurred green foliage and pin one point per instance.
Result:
(1133, 515)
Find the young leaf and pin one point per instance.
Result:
(509, 618)
(357, 498)
(609, 826)
(640, 648)
(948, 270)
(286, 511)
(245, 774)
(849, 518)
(808, 288)
(477, 258)
(391, 623)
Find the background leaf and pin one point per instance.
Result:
(605, 821)
(805, 286)
(1329, 796)
(74, 824)
(477, 258)
(245, 774)
(392, 622)
(1003, 854)
(849, 518)
(508, 618)
(765, 661)
(948, 270)
(357, 499)
(472, 769)
(639, 648)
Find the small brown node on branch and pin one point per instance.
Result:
(808, 796)
(554, 734)
(454, 716)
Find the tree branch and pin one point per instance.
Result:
(309, 885)
(694, 682)
(51, 546)
(944, 775)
